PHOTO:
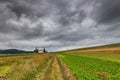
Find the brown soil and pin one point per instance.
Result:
(115, 49)
(2, 78)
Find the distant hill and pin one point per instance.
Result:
(102, 48)
(12, 51)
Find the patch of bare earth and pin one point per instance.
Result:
(103, 75)
(2, 78)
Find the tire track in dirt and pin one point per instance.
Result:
(43, 74)
(56, 70)
(67, 73)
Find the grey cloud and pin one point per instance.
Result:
(28, 7)
(67, 37)
(107, 11)
(70, 22)
(31, 33)
(71, 17)
(4, 16)
(113, 27)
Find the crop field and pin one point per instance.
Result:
(21, 67)
(113, 56)
(33, 67)
(91, 66)
(65, 65)
(61, 66)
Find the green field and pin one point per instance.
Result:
(94, 63)
(111, 56)
(92, 66)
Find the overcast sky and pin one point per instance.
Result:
(58, 24)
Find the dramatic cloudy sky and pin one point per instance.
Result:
(58, 24)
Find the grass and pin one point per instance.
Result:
(89, 68)
(22, 67)
(111, 56)
(4, 70)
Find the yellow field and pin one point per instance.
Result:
(22, 67)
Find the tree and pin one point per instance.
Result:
(44, 50)
(36, 50)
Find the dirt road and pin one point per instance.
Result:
(56, 70)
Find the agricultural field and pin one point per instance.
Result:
(22, 67)
(84, 64)
(115, 57)
(33, 67)
(92, 67)
(94, 63)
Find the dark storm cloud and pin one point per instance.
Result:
(5, 14)
(19, 9)
(27, 33)
(58, 23)
(108, 11)
(28, 7)
(70, 17)
(70, 37)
